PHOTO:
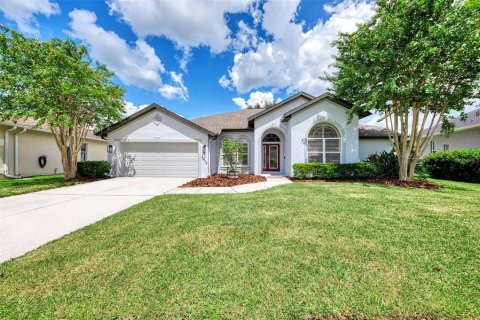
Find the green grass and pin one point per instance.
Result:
(11, 187)
(296, 251)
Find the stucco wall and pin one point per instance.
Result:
(33, 144)
(271, 122)
(168, 129)
(323, 112)
(369, 146)
(460, 139)
(243, 136)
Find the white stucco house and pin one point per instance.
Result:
(465, 136)
(303, 128)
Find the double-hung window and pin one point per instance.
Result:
(323, 144)
(242, 155)
(83, 152)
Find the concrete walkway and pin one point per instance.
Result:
(272, 181)
(30, 220)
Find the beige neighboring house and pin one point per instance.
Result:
(465, 136)
(21, 145)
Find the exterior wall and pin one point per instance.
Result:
(368, 146)
(148, 129)
(246, 136)
(2, 150)
(460, 139)
(33, 144)
(322, 112)
(271, 121)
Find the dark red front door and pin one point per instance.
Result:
(271, 157)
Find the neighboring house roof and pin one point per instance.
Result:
(473, 120)
(233, 120)
(146, 110)
(31, 124)
(324, 96)
(281, 103)
(369, 131)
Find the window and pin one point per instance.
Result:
(323, 144)
(83, 152)
(271, 137)
(446, 147)
(242, 155)
(432, 146)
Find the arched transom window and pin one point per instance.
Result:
(271, 137)
(323, 144)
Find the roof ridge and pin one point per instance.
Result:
(228, 112)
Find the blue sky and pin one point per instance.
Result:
(199, 57)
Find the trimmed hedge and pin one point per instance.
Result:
(94, 169)
(461, 165)
(317, 170)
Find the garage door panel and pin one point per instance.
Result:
(160, 159)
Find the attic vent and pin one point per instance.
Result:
(157, 119)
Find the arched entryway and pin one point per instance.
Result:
(271, 153)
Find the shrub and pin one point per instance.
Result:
(461, 165)
(316, 170)
(94, 169)
(386, 164)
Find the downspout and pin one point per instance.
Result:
(210, 155)
(5, 150)
(17, 168)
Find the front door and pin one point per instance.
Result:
(271, 157)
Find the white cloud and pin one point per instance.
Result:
(176, 91)
(246, 38)
(256, 98)
(294, 59)
(131, 108)
(23, 12)
(187, 23)
(224, 82)
(136, 65)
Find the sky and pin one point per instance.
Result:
(199, 57)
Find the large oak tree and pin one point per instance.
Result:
(56, 83)
(414, 62)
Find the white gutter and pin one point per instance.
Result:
(17, 168)
(5, 149)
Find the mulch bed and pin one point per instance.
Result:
(88, 179)
(221, 180)
(422, 184)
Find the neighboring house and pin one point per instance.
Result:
(157, 142)
(21, 145)
(465, 136)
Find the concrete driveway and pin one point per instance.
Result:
(31, 220)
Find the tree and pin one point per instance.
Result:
(56, 83)
(231, 154)
(413, 62)
(264, 105)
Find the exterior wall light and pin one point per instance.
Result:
(110, 148)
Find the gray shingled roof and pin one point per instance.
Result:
(369, 131)
(238, 120)
(228, 120)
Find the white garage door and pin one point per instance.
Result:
(160, 159)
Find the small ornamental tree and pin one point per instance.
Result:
(231, 154)
(56, 83)
(413, 62)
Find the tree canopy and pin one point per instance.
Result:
(56, 82)
(413, 62)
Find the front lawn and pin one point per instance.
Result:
(11, 187)
(303, 250)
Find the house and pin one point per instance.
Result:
(22, 144)
(157, 142)
(465, 136)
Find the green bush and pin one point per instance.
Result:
(461, 165)
(95, 169)
(316, 170)
(386, 164)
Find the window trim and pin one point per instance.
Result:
(432, 146)
(324, 152)
(84, 152)
(242, 141)
(446, 147)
